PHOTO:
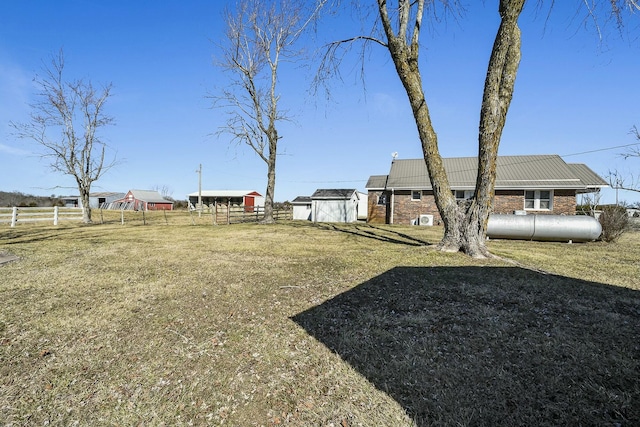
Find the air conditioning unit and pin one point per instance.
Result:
(426, 220)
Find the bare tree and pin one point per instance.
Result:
(624, 181)
(627, 181)
(64, 122)
(634, 149)
(164, 190)
(261, 34)
(402, 22)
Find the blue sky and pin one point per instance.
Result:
(576, 96)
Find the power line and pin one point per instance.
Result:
(329, 182)
(510, 164)
(601, 149)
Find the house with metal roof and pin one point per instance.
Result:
(531, 184)
(142, 200)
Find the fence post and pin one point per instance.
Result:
(14, 216)
(55, 215)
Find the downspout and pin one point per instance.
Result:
(386, 181)
(392, 202)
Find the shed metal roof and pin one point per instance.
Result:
(149, 196)
(106, 194)
(301, 200)
(225, 193)
(512, 172)
(333, 194)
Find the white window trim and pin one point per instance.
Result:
(536, 201)
(420, 195)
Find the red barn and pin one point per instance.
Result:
(143, 200)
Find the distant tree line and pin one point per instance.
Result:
(16, 198)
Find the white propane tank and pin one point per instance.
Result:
(560, 228)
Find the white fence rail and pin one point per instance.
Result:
(54, 214)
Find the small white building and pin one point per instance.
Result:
(363, 205)
(302, 208)
(335, 205)
(96, 200)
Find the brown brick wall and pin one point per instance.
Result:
(564, 202)
(406, 210)
(376, 214)
(505, 202)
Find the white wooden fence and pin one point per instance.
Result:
(54, 214)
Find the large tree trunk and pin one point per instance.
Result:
(464, 223)
(405, 59)
(271, 177)
(498, 92)
(86, 209)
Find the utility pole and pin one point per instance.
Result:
(199, 172)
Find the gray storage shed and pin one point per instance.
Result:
(334, 205)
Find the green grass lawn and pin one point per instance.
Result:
(298, 324)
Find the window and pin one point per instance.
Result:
(463, 194)
(416, 195)
(538, 200)
(382, 199)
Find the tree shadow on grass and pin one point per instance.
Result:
(27, 234)
(490, 345)
(375, 233)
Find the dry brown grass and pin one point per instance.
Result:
(301, 324)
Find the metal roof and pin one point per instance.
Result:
(377, 181)
(512, 172)
(225, 193)
(107, 194)
(333, 194)
(149, 196)
(301, 200)
(587, 176)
